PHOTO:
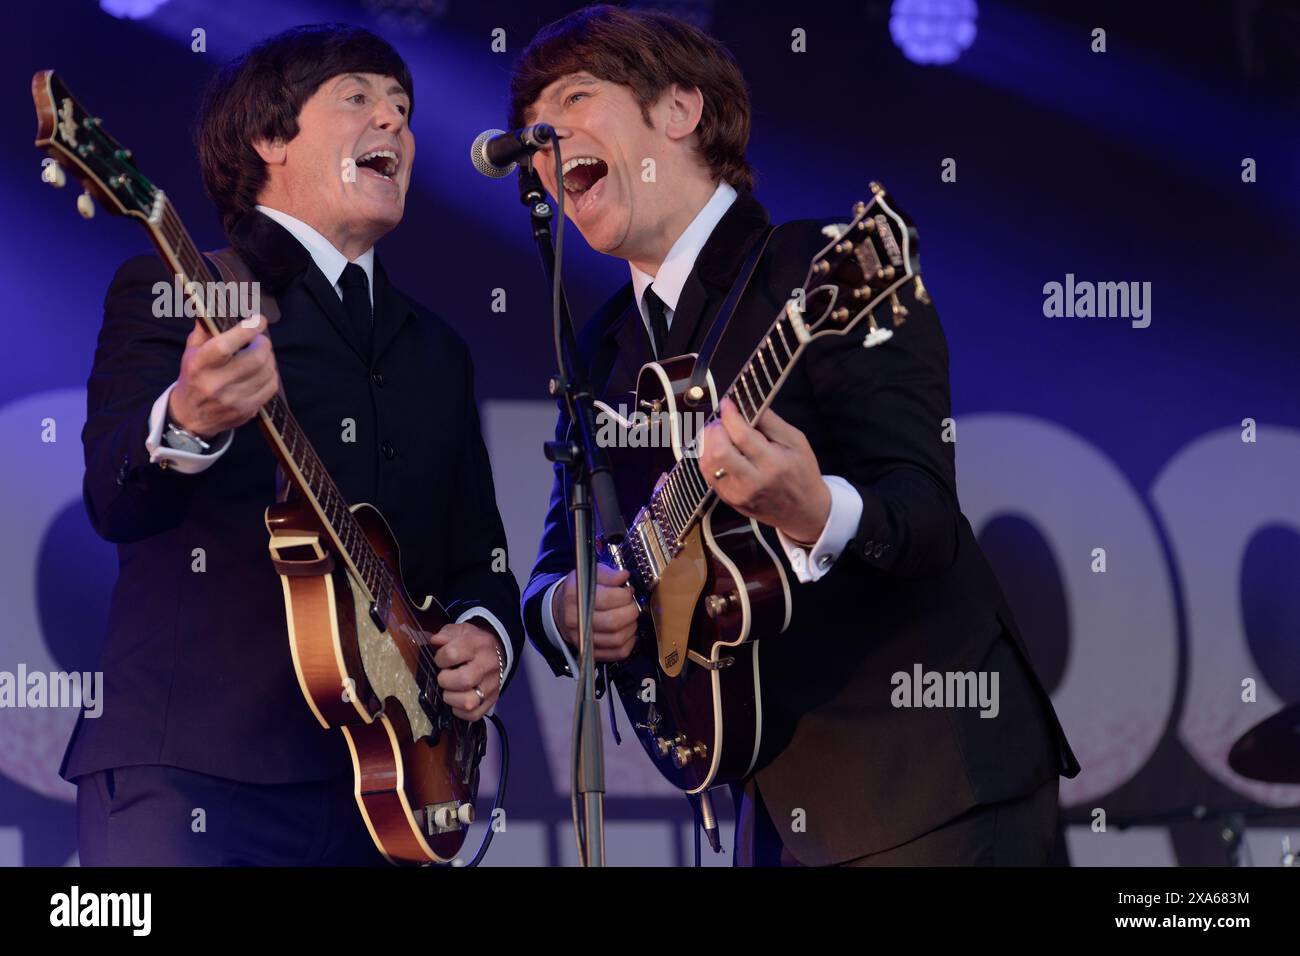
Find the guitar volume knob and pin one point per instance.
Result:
(683, 755)
(715, 605)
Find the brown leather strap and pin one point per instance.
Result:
(233, 269)
(311, 568)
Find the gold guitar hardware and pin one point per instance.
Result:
(715, 605)
(709, 665)
(900, 310)
(682, 754)
(919, 290)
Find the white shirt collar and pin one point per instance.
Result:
(328, 260)
(679, 262)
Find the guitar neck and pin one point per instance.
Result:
(684, 494)
(279, 426)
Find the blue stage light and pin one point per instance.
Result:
(130, 9)
(933, 32)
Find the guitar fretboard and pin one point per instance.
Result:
(682, 497)
(287, 437)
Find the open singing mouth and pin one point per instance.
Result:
(383, 161)
(583, 172)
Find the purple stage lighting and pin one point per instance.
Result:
(933, 32)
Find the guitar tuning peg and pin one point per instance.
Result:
(53, 174)
(86, 206)
(899, 310)
(918, 288)
(875, 334)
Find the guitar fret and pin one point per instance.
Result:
(771, 383)
(735, 394)
(670, 511)
(697, 478)
(679, 512)
(761, 397)
(772, 356)
(688, 492)
(781, 334)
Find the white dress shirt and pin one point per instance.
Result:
(331, 263)
(809, 564)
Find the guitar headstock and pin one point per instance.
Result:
(78, 144)
(865, 262)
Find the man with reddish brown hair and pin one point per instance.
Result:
(848, 469)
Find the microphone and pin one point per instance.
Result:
(496, 153)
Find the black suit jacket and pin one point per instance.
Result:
(911, 588)
(197, 669)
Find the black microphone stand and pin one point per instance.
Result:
(587, 470)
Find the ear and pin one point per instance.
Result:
(272, 151)
(682, 108)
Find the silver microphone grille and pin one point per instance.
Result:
(480, 160)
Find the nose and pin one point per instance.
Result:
(387, 117)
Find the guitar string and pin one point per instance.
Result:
(374, 573)
(372, 569)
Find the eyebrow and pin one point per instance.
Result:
(357, 77)
(560, 90)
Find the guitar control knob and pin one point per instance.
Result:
(715, 605)
(456, 815)
(86, 206)
(664, 746)
(683, 754)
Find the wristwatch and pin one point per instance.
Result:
(182, 439)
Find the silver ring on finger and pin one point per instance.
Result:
(481, 698)
(720, 474)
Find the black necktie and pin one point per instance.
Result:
(658, 322)
(356, 302)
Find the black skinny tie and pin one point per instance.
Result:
(356, 302)
(658, 322)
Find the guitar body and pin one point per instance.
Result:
(415, 773)
(691, 685)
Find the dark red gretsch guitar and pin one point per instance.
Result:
(709, 584)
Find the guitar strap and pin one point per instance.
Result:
(720, 324)
(232, 268)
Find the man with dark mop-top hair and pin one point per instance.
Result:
(306, 150)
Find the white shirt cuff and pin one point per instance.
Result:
(186, 462)
(490, 618)
(485, 615)
(553, 632)
(841, 526)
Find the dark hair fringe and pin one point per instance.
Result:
(260, 95)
